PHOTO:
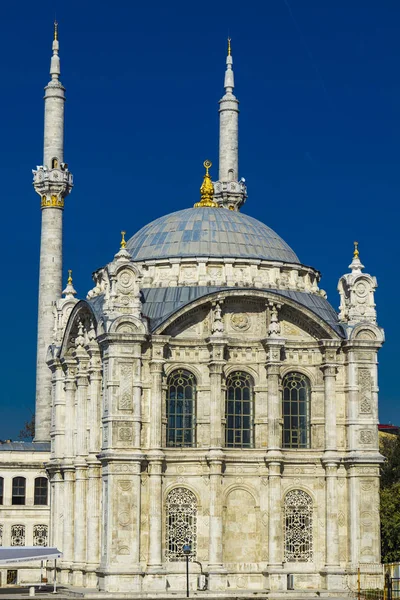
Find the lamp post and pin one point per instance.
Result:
(187, 551)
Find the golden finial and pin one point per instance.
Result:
(123, 242)
(55, 30)
(229, 46)
(356, 252)
(207, 189)
(69, 277)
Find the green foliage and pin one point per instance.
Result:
(389, 446)
(390, 523)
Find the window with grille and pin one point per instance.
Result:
(18, 490)
(298, 527)
(1, 535)
(239, 410)
(1, 490)
(40, 533)
(181, 524)
(296, 411)
(181, 398)
(18, 535)
(41, 486)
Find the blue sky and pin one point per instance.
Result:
(319, 90)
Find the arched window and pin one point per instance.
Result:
(298, 527)
(181, 398)
(18, 490)
(41, 485)
(181, 524)
(54, 163)
(296, 411)
(1, 490)
(239, 410)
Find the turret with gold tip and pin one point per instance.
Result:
(207, 189)
(356, 289)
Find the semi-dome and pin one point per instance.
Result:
(209, 232)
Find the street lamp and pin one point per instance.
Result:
(187, 552)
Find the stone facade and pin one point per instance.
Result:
(205, 400)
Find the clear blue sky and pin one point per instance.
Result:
(319, 86)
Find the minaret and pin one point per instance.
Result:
(52, 182)
(229, 192)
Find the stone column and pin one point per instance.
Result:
(70, 388)
(274, 457)
(216, 569)
(93, 520)
(137, 394)
(331, 462)
(155, 457)
(354, 516)
(58, 408)
(80, 523)
(217, 403)
(68, 533)
(56, 508)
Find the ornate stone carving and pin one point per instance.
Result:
(217, 324)
(240, 321)
(125, 434)
(366, 436)
(365, 383)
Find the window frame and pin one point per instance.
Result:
(185, 435)
(1, 491)
(302, 516)
(18, 487)
(233, 416)
(38, 489)
(296, 422)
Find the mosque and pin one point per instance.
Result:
(204, 400)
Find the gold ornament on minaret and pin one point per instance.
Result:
(356, 252)
(123, 242)
(207, 189)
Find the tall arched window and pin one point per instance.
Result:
(296, 411)
(181, 524)
(41, 485)
(1, 490)
(298, 527)
(18, 490)
(181, 398)
(239, 410)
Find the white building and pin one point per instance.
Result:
(205, 393)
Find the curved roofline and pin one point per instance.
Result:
(246, 292)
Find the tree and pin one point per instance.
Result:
(28, 432)
(389, 446)
(390, 523)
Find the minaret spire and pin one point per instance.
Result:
(52, 182)
(229, 192)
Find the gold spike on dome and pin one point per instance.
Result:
(123, 242)
(207, 189)
(69, 281)
(229, 46)
(55, 30)
(356, 252)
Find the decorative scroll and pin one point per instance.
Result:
(40, 535)
(298, 527)
(18, 535)
(181, 524)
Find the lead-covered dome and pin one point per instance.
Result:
(209, 232)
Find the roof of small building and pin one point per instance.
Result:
(211, 232)
(25, 446)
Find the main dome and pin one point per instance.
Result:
(208, 232)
